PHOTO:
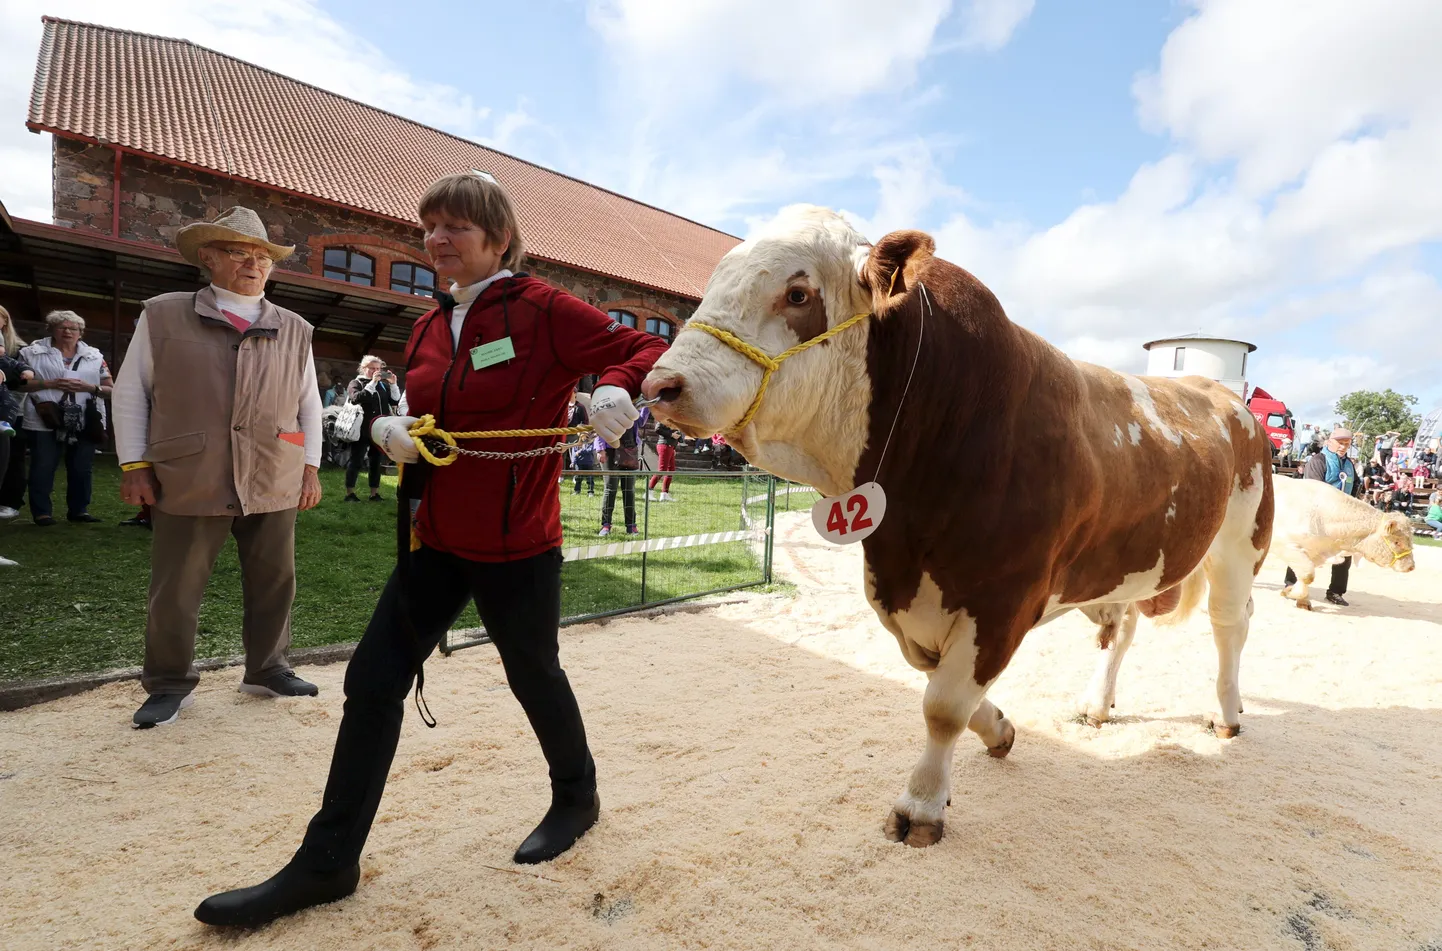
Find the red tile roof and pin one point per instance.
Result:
(182, 102)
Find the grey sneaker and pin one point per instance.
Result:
(283, 684)
(161, 709)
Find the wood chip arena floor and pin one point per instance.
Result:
(748, 756)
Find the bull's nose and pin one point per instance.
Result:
(665, 386)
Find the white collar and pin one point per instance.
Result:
(231, 297)
(464, 295)
(81, 347)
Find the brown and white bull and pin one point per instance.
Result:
(1019, 484)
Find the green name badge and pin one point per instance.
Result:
(489, 354)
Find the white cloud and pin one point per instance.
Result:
(1306, 161)
(989, 24)
(1270, 84)
(829, 87)
(801, 51)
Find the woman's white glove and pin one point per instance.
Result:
(392, 434)
(612, 413)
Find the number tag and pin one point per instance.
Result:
(848, 518)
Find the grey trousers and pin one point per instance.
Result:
(183, 550)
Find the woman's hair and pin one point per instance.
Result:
(8, 336)
(368, 359)
(481, 202)
(55, 318)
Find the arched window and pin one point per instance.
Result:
(412, 279)
(653, 325)
(343, 264)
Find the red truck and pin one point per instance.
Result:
(1277, 420)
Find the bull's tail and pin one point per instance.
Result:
(1193, 590)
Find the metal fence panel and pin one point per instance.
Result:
(713, 536)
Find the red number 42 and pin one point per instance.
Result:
(836, 519)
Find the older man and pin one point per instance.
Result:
(1333, 466)
(217, 425)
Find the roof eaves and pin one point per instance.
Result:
(42, 67)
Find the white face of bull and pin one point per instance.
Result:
(1390, 545)
(789, 284)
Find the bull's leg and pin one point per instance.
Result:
(1301, 591)
(952, 698)
(1230, 609)
(1101, 695)
(993, 727)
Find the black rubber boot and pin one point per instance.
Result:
(286, 892)
(565, 822)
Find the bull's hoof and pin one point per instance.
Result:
(1222, 730)
(918, 835)
(1008, 737)
(1305, 605)
(1093, 712)
(1286, 592)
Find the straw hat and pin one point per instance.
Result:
(236, 224)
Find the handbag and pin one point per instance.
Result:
(348, 422)
(49, 413)
(94, 429)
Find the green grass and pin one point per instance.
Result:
(77, 601)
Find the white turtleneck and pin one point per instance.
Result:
(130, 400)
(238, 304)
(464, 296)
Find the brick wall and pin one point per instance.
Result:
(157, 198)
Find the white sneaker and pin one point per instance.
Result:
(7, 563)
(7, 512)
(666, 497)
(652, 496)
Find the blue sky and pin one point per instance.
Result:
(1116, 170)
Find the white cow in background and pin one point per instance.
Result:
(1316, 524)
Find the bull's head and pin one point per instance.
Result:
(1390, 544)
(807, 273)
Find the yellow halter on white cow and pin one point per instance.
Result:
(768, 363)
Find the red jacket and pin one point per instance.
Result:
(504, 510)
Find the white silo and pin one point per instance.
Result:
(1220, 359)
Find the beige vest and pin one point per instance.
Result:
(219, 401)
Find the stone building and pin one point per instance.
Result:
(150, 133)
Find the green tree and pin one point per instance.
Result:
(1375, 413)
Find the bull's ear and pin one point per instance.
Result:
(893, 265)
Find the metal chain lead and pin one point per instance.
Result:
(440, 448)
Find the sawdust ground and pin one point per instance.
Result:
(748, 756)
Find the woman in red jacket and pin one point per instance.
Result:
(502, 351)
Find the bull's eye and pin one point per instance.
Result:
(796, 296)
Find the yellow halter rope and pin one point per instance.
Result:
(1397, 555)
(768, 364)
(425, 427)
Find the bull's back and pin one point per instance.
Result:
(1162, 459)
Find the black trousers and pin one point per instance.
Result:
(360, 452)
(586, 464)
(628, 494)
(1339, 576)
(520, 605)
(12, 488)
